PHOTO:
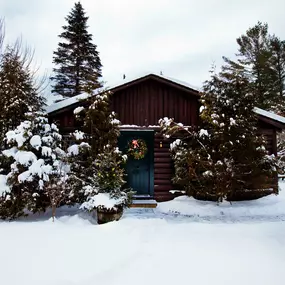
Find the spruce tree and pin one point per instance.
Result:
(225, 158)
(18, 91)
(77, 61)
(235, 124)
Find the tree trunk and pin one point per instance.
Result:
(53, 212)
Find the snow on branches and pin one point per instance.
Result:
(95, 160)
(224, 155)
(38, 170)
(35, 149)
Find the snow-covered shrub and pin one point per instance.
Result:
(96, 150)
(109, 172)
(99, 123)
(194, 169)
(105, 202)
(35, 147)
(224, 156)
(82, 179)
(109, 169)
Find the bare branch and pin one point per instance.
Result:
(26, 55)
(2, 34)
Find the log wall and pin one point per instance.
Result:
(163, 169)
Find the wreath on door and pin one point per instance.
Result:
(137, 148)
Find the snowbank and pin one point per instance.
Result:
(102, 199)
(270, 206)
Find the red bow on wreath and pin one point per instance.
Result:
(137, 148)
(135, 143)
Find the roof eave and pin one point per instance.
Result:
(278, 125)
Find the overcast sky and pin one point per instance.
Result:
(181, 38)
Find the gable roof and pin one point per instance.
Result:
(266, 116)
(157, 77)
(124, 84)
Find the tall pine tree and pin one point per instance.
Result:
(261, 58)
(277, 63)
(18, 90)
(78, 65)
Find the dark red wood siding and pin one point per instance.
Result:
(145, 103)
(142, 104)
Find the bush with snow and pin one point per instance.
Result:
(96, 162)
(82, 179)
(104, 202)
(109, 172)
(224, 157)
(37, 168)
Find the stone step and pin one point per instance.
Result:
(144, 204)
(142, 197)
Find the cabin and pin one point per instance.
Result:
(139, 104)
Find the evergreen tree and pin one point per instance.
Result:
(225, 158)
(18, 92)
(103, 162)
(261, 59)
(101, 124)
(77, 59)
(277, 63)
(37, 175)
(232, 114)
(110, 171)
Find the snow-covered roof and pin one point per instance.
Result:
(183, 83)
(269, 115)
(67, 102)
(128, 80)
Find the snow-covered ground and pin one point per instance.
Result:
(267, 208)
(205, 244)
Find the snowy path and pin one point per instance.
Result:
(180, 242)
(142, 249)
(172, 217)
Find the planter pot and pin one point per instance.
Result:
(105, 216)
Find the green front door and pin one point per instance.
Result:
(139, 171)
